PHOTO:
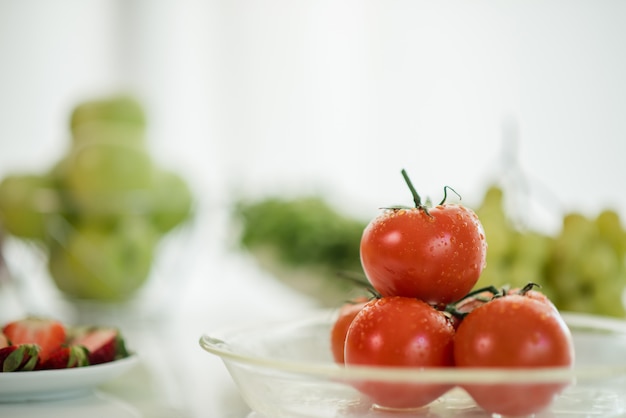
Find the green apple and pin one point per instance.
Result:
(96, 262)
(107, 179)
(122, 109)
(172, 200)
(99, 131)
(26, 203)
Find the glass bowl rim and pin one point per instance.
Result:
(219, 344)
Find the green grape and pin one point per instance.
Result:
(600, 263)
(610, 228)
(494, 274)
(608, 299)
(573, 303)
(585, 269)
(495, 222)
(577, 230)
(521, 273)
(532, 247)
(500, 236)
(582, 268)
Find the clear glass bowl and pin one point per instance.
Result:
(286, 370)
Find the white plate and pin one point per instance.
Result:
(57, 384)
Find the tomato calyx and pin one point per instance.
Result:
(480, 295)
(462, 307)
(455, 311)
(417, 199)
(445, 194)
(530, 286)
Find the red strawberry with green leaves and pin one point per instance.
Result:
(104, 344)
(19, 358)
(48, 334)
(66, 357)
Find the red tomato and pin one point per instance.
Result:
(400, 332)
(514, 331)
(436, 256)
(340, 328)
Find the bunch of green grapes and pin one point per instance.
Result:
(587, 271)
(581, 268)
(514, 257)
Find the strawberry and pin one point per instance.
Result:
(104, 344)
(4, 341)
(18, 358)
(48, 334)
(66, 357)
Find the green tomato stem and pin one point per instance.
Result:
(416, 197)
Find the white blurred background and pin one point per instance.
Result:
(265, 97)
(277, 96)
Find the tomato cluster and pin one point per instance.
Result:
(422, 264)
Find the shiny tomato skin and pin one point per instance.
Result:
(340, 327)
(436, 256)
(514, 331)
(400, 332)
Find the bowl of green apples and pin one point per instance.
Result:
(101, 211)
